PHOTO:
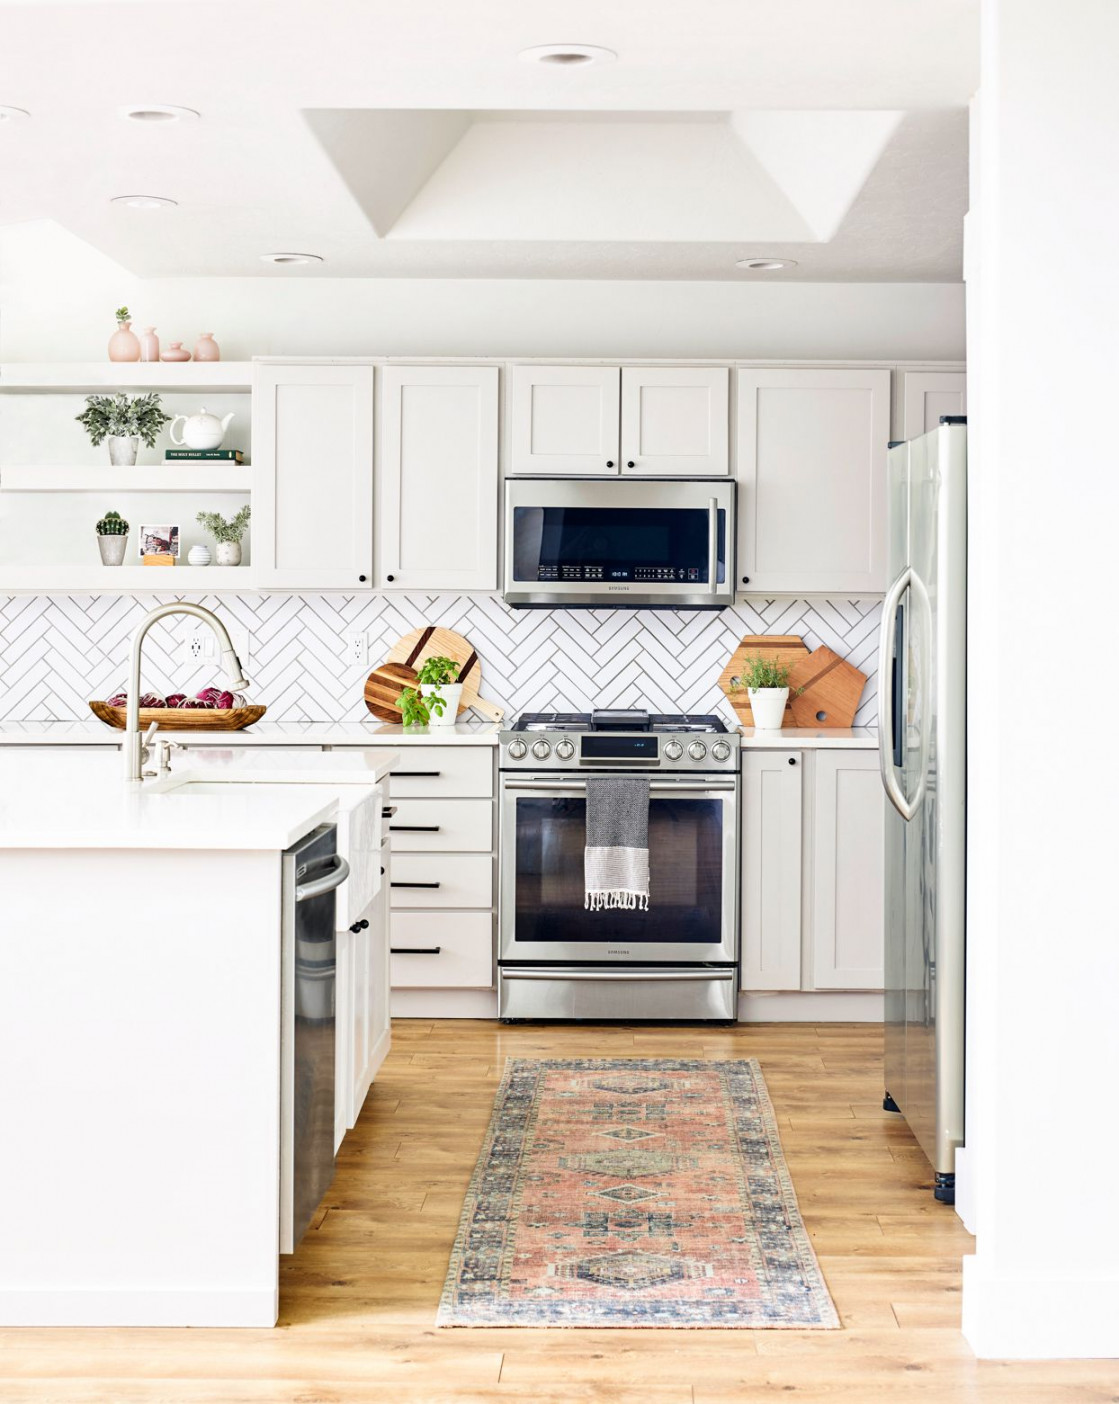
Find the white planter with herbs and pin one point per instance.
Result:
(767, 686)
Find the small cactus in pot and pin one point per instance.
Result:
(112, 538)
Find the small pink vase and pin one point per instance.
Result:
(124, 344)
(175, 352)
(206, 348)
(149, 345)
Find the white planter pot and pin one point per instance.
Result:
(451, 694)
(199, 556)
(124, 449)
(228, 553)
(768, 706)
(112, 549)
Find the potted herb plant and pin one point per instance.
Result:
(413, 708)
(437, 685)
(124, 421)
(227, 535)
(767, 684)
(112, 538)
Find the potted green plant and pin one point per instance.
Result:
(227, 535)
(413, 709)
(767, 684)
(438, 688)
(124, 421)
(112, 538)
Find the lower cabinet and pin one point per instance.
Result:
(812, 871)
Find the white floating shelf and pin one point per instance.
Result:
(88, 377)
(95, 579)
(157, 477)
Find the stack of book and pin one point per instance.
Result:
(189, 455)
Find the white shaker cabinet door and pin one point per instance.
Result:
(772, 808)
(675, 421)
(312, 476)
(811, 466)
(926, 395)
(848, 879)
(563, 419)
(438, 478)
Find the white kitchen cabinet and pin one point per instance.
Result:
(925, 396)
(438, 478)
(675, 421)
(811, 469)
(848, 872)
(563, 419)
(772, 818)
(361, 1004)
(312, 476)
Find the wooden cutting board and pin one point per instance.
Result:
(385, 684)
(789, 649)
(832, 689)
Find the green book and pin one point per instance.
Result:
(173, 455)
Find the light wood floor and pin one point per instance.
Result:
(359, 1298)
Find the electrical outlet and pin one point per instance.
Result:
(194, 647)
(356, 649)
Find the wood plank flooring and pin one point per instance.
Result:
(358, 1299)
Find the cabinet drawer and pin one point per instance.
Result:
(449, 949)
(442, 880)
(463, 771)
(442, 826)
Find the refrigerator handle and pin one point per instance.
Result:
(886, 718)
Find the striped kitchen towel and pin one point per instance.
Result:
(616, 858)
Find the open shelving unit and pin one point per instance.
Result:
(63, 477)
(89, 377)
(96, 579)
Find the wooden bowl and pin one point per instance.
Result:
(183, 718)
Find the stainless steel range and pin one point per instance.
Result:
(678, 959)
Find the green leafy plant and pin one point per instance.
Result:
(120, 416)
(123, 315)
(764, 672)
(414, 710)
(437, 672)
(220, 529)
(112, 524)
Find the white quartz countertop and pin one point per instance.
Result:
(63, 799)
(264, 733)
(806, 738)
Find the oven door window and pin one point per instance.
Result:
(644, 545)
(685, 875)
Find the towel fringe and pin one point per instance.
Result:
(616, 897)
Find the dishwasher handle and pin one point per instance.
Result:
(334, 876)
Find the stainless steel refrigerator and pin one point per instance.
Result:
(922, 741)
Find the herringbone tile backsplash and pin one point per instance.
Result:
(57, 652)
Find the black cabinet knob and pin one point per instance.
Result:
(389, 578)
(359, 926)
(631, 464)
(609, 463)
(745, 580)
(792, 760)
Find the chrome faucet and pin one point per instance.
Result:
(134, 742)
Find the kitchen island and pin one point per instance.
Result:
(141, 1004)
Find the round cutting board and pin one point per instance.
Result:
(406, 657)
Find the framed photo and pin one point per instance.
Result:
(159, 541)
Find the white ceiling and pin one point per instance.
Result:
(407, 139)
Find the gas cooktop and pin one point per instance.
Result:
(619, 720)
(618, 740)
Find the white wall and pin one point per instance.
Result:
(57, 297)
(1043, 976)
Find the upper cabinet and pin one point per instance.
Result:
(599, 420)
(313, 475)
(812, 448)
(438, 478)
(924, 396)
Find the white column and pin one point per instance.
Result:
(1041, 1171)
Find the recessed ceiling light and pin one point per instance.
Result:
(13, 114)
(157, 112)
(144, 202)
(567, 55)
(291, 258)
(765, 265)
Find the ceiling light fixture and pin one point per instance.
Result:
(13, 114)
(291, 258)
(144, 202)
(765, 265)
(567, 55)
(156, 112)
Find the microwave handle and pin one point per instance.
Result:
(712, 546)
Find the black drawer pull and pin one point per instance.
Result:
(388, 811)
(414, 828)
(359, 926)
(413, 884)
(414, 950)
(417, 774)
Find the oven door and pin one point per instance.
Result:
(693, 875)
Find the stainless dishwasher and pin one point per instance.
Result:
(312, 871)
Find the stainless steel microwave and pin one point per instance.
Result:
(627, 543)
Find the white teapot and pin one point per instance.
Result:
(200, 431)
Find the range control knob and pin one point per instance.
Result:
(541, 750)
(697, 750)
(721, 751)
(564, 750)
(673, 750)
(518, 750)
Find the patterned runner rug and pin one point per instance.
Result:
(633, 1192)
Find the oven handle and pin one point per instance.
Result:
(620, 976)
(666, 787)
(712, 545)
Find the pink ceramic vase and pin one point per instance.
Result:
(124, 344)
(206, 348)
(175, 352)
(149, 345)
